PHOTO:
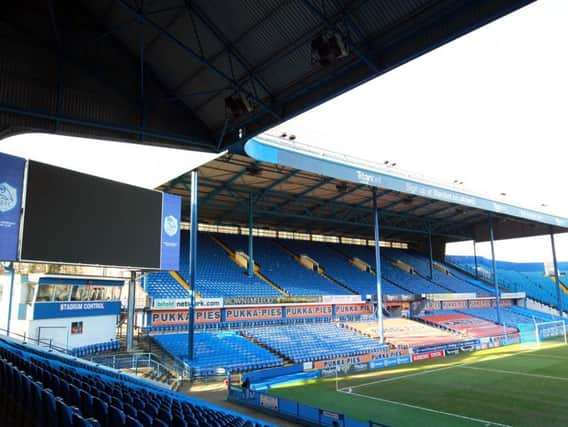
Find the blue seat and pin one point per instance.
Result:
(116, 416)
(100, 410)
(133, 422)
(49, 406)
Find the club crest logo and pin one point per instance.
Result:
(8, 197)
(171, 225)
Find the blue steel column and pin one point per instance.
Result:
(192, 261)
(558, 290)
(250, 239)
(430, 251)
(475, 259)
(494, 268)
(12, 271)
(378, 269)
(130, 311)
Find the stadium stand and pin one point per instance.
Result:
(95, 348)
(318, 341)
(396, 276)
(466, 324)
(214, 350)
(422, 265)
(162, 284)
(510, 316)
(407, 333)
(69, 393)
(517, 277)
(217, 275)
(539, 316)
(339, 268)
(281, 268)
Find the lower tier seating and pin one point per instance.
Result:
(406, 333)
(303, 343)
(219, 350)
(60, 392)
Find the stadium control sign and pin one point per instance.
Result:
(171, 213)
(55, 310)
(11, 185)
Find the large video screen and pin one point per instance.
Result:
(71, 217)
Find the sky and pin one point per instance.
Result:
(141, 165)
(487, 109)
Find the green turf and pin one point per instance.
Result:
(532, 392)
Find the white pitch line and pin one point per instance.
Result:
(408, 405)
(431, 371)
(524, 374)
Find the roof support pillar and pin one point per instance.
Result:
(494, 271)
(250, 264)
(430, 252)
(557, 279)
(378, 268)
(130, 312)
(12, 271)
(475, 259)
(192, 261)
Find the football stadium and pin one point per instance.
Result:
(279, 283)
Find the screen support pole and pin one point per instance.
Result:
(192, 261)
(130, 319)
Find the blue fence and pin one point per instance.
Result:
(307, 415)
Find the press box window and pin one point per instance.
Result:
(45, 293)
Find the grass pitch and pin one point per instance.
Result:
(507, 386)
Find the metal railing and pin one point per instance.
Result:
(40, 342)
(137, 361)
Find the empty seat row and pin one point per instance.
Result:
(82, 351)
(65, 395)
(214, 351)
(303, 343)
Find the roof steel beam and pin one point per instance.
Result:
(259, 213)
(227, 46)
(104, 125)
(199, 58)
(222, 187)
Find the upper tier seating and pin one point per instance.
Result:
(303, 343)
(280, 267)
(214, 350)
(338, 267)
(412, 282)
(422, 265)
(59, 392)
(217, 275)
(162, 285)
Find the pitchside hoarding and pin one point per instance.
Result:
(11, 194)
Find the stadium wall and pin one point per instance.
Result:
(93, 329)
